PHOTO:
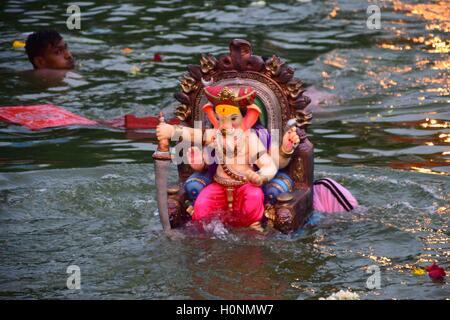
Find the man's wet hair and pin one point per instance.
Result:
(38, 41)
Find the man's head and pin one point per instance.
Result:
(47, 50)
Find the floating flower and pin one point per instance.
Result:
(127, 50)
(258, 4)
(435, 272)
(343, 295)
(157, 57)
(417, 271)
(134, 70)
(18, 44)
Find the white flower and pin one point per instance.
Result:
(258, 3)
(343, 295)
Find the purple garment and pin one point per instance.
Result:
(263, 135)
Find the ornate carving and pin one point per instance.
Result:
(207, 63)
(290, 215)
(270, 214)
(297, 172)
(303, 118)
(183, 98)
(241, 58)
(188, 83)
(294, 88)
(176, 207)
(227, 94)
(286, 74)
(183, 112)
(273, 66)
(301, 102)
(284, 219)
(195, 71)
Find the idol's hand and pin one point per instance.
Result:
(164, 131)
(254, 177)
(195, 155)
(290, 140)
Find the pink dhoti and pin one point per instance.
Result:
(248, 204)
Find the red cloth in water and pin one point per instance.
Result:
(42, 116)
(47, 115)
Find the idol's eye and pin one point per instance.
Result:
(233, 118)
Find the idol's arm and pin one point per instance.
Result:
(195, 158)
(167, 131)
(280, 161)
(282, 154)
(267, 167)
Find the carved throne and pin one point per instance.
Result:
(281, 97)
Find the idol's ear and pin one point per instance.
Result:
(209, 110)
(252, 115)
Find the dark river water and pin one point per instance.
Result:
(85, 196)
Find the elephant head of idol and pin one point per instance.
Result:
(231, 108)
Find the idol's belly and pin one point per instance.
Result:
(237, 168)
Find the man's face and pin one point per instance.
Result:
(55, 57)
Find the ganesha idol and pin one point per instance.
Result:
(251, 163)
(242, 161)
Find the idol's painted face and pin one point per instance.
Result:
(231, 121)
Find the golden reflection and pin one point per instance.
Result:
(397, 69)
(436, 14)
(433, 123)
(427, 171)
(441, 65)
(437, 17)
(444, 90)
(336, 61)
(439, 45)
(387, 83)
(433, 242)
(422, 63)
(445, 137)
(394, 47)
(422, 170)
(383, 261)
